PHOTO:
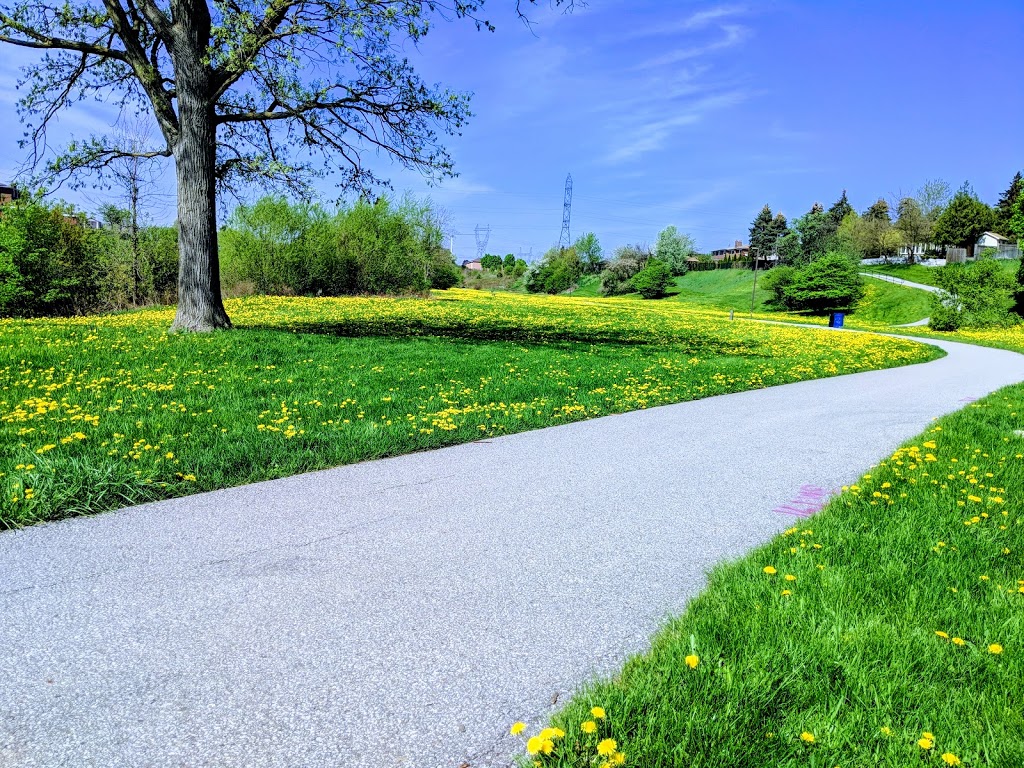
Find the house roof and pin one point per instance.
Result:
(996, 235)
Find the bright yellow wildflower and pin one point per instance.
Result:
(534, 744)
(692, 660)
(770, 570)
(959, 641)
(790, 577)
(607, 747)
(597, 713)
(995, 648)
(588, 726)
(950, 759)
(517, 728)
(807, 737)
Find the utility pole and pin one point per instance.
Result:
(753, 292)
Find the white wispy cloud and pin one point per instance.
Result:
(734, 35)
(654, 134)
(693, 21)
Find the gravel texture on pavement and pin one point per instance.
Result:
(405, 612)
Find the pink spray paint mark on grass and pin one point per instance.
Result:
(809, 500)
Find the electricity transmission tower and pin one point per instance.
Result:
(483, 234)
(564, 240)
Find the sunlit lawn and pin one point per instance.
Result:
(102, 412)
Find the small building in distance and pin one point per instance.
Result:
(738, 252)
(473, 265)
(992, 240)
(8, 192)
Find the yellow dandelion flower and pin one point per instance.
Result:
(959, 641)
(517, 728)
(607, 747)
(942, 634)
(807, 737)
(786, 593)
(950, 759)
(924, 743)
(534, 744)
(790, 577)
(619, 758)
(597, 713)
(692, 660)
(886, 730)
(588, 726)
(770, 570)
(995, 648)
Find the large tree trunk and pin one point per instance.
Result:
(200, 307)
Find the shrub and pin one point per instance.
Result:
(827, 284)
(49, 262)
(558, 271)
(628, 261)
(374, 248)
(977, 295)
(651, 281)
(777, 281)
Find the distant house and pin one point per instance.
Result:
(992, 240)
(8, 192)
(737, 252)
(473, 265)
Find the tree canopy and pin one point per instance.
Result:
(243, 91)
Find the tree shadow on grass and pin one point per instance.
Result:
(492, 330)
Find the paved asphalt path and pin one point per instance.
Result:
(405, 612)
(901, 281)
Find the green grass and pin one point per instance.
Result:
(915, 273)
(930, 541)
(730, 289)
(892, 304)
(723, 289)
(101, 412)
(589, 286)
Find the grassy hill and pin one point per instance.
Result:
(915, 273)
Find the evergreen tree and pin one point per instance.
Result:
(1004, 209)
(963, 221)
(816, 231)
(878, 212)
(762, 234)
(840, 209)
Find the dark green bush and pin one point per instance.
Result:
(651, 281)
(830, 283)
(777, 281)
(49, 261)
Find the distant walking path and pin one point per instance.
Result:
(405, 612)
(901, 281)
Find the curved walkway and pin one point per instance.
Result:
(404, 612)
(901, 281)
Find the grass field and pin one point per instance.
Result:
(888, 630)
(891, 304)
(102, 412)
(915, 273)
(719, 289)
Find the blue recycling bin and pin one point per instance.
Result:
(835, 319)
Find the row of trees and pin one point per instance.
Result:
(280, 247)
(632, 267)
(52, 263)
(932, 219)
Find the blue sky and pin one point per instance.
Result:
(697, 113)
